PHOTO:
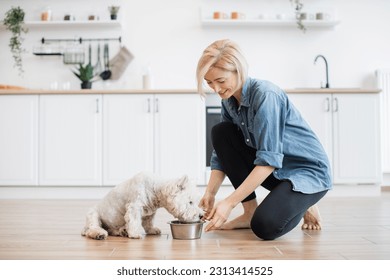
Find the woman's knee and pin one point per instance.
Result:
(264, 227)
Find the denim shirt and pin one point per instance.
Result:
(274, 127)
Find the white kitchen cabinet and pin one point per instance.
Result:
(348, 127)
(160, 133)
(70, 140)
(356, 138)
(100, 139)
(180, 136)
(127, 136)
(18, 140)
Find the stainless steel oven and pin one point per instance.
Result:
(213, 116)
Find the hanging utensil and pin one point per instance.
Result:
(106, 74)
(98, 66)
(90, 54)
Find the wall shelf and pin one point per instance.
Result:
(64, 23)
(266, 23)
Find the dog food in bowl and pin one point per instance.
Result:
(186, 230)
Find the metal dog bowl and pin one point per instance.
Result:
(186, 230)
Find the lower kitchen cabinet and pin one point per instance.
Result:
(100, 139)
(348, 127)
(18, 140)
(160, 133)
(356, 125)
(127, 141)
(70, 140)
(179, 129)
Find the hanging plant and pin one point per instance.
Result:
(298, 14)
(14, 22)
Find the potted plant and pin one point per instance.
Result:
(85, 74)
(113, 12)
(298, 14)
(14, 22)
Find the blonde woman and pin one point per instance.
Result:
(261, 140)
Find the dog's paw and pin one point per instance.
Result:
(123, 232)
(98, 234)
(135, 236)
(154, 231)
(101, 236)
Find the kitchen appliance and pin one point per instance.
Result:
(213, 116)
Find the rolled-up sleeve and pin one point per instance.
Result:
(265, 158)
(214, 162)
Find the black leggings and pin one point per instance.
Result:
(282, 209)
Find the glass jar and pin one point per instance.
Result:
(46, 14)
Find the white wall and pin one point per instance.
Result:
(168, 35)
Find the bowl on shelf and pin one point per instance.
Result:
(186, 230)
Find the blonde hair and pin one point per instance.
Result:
(223, 54)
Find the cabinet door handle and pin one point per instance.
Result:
(336, 104)
(97, 106)
(148, 105)
(327, 105)
(156, 105)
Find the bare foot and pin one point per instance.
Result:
(312, 219)
(240, 222)
(244, 220)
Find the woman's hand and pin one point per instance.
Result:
(219, 215)
(207, 203)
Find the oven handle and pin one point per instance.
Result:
(213, 110)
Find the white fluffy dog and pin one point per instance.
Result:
(129, 208)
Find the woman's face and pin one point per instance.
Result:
(223, 82)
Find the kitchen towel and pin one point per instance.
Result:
(120, 62)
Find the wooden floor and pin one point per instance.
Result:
(353, 228)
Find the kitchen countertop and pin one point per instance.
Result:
(333, 90)
(93, 91)
(166, 91)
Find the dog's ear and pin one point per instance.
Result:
(181, 183)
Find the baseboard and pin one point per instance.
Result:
(386, 180)
(355, 190)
